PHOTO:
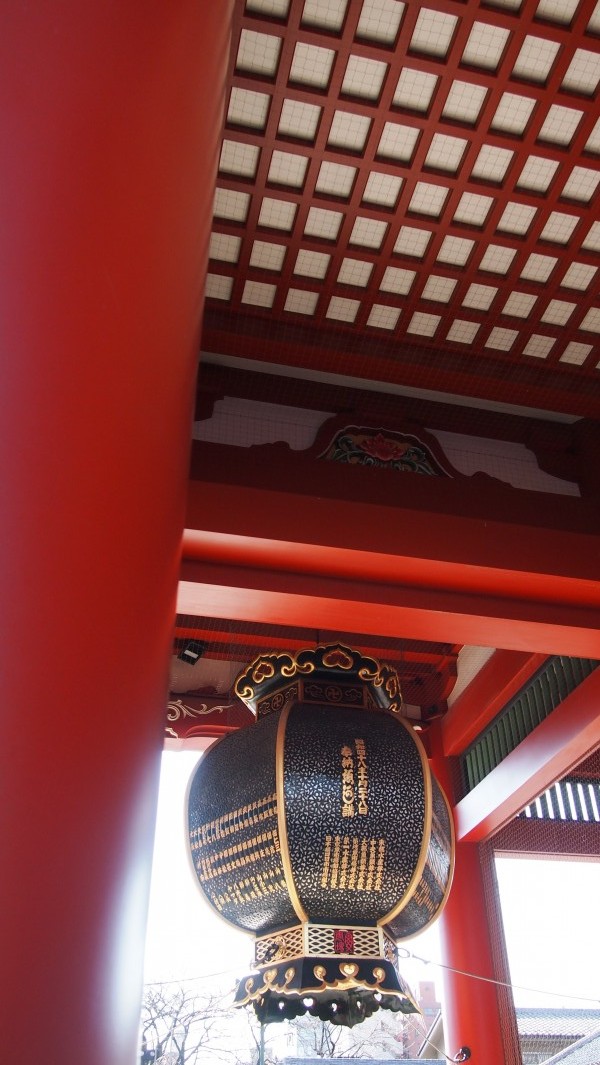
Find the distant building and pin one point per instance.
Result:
(430, 1007)
(552, 1036)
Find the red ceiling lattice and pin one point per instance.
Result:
(421, 177)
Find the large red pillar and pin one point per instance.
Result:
(109, 136)
(472, 1004)
(472, 1007)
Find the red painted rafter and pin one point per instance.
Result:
(225, 641)
(536, 837)
(558, 744)
(499, 680)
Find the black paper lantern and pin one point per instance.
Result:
(321, 830)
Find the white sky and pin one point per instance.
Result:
(186, 937)
(550, 911)
(552, 927)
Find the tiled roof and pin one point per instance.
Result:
(572, 1022)
(584, 1052)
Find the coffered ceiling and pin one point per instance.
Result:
(408, 193)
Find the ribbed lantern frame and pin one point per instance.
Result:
(339, 843)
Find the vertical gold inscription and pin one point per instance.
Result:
(362, 779)
(335, 862)
(355, 780)
(362, 864)
(326, 862)
(351, 864)
(347, 782)
(344, 863)
(380, 864)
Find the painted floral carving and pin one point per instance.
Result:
(359, 446)
(381, 447)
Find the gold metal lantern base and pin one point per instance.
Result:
(341, 975)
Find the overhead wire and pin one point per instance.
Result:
(492, 980)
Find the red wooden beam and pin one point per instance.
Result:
(388, 571)
(558, 744)
(409, 365)
(280, 598)
(502, 676)
(247, 526)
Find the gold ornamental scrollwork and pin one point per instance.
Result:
(263, 669)
(177, 709)
(387, 679)
(267, 672)
(338, 658)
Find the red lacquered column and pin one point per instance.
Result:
(471, 1007)
(109, 136)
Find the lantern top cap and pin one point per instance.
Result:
(331, 673)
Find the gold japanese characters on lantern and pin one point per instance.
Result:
(321, 830)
